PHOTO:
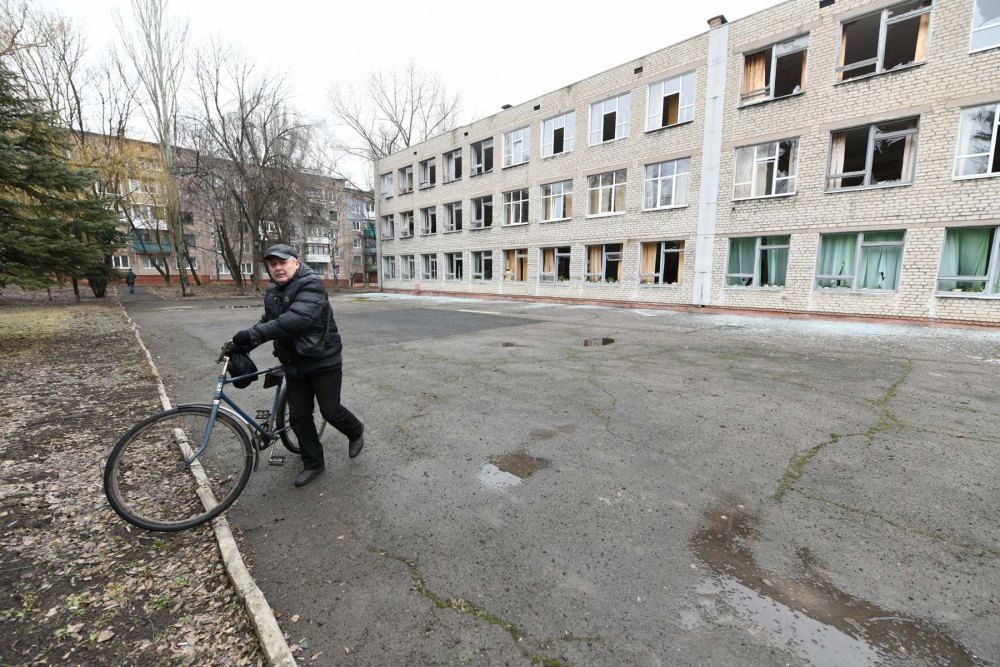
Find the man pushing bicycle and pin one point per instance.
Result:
(299, 319)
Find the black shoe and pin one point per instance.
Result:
(355, 446)
(308, 475)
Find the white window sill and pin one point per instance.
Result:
(453, 231)
(976, 177)
(406, 192)
(386, 197)
(511, 166)
(589, 283)
(479, 229)
(664, 208)
(516, 224)
(844, 290)
(452, 280)
(482, 280)
(555, 155)
(753, 288)
(454, 180)
(609, 141)
(388, 238)
(781, 196)
(605, 215)
(660, 285)
(426, 278)
(428, 233)
(985, 48)
(556, 220)
(427, 187)
(516, 282)
(669, 127)
(747, 105)
(967, 295)
(883, 186)
(480, 173)
(873, 74)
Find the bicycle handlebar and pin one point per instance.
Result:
(226, 347)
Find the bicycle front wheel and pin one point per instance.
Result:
(149, 484)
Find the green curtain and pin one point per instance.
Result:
(880, 265)
(836, 258)
(741, 258)
(776, 261)
(966, 253)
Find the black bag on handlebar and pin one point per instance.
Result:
(240, 363)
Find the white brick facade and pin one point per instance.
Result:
(935, 92)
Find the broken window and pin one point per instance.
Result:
(405, 224)
(777, 71)
(453, 217)
(766, 170)
(557, 201)
(482, 265)
(863, 261)
(604, 263)
(609, 119)
(606, 193)
(388, 268)
(482, 212)
(517, 146)
(386, 183)
(428, 220)
(558, 134)
(670, 102)
(667, 184)
(515, 265)
(453, 165)
(886, 40)
(430, 266)
(515, 207)
(428, 173)
(662, 263)
(407, 268)
(553, 265)
(985, 25)
(977, 153)
(406, 180)
(453, 266)
(757, 261)
(482, 157)
(387, 227)
(872, 155)
(969, 261)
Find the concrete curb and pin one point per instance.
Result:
(272, 640)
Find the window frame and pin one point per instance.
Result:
(774, 181)
(561, 195)
(428, 173)
(123, 261)
(523, 204)
(663, 250)
(452, 166)
(872, 137)
(385, 179)
(454, 266)
(614, 185)
(410, 263)
(405, 176)
(524, 138)
(482, 154)
(603, 280)
(388, 262)
(318, 249)
(618, 124)
(552, 277)
(974, 29)
(482, 256)
(391, 220)
(406, 224)
(429, 266)
(568, 127)
(425, 214)
(519, 253)
(879, 59)
(774, 70)
(858, 250)
(755, 276)
(449, 216)
(991, 290)
(994, 144)
(680, 87)
(646, 180)
(484, 202)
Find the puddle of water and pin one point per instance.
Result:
(811, 616)
(501, 472)
(597, 342)
(508, 344)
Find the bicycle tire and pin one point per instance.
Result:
(122, 506)
(287, 436)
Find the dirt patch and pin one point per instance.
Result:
(77, 585)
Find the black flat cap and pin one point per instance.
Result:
(281, 250)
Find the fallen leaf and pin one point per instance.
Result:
(105, 635)
(295, 619)
(340, 537)
(346, 650)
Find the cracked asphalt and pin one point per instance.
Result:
(859, 459)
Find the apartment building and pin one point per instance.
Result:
(819, 156)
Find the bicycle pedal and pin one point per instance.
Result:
(278, 461)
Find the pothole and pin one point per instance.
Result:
(597, 342)
(501, 472)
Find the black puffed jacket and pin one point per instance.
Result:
(299, 319)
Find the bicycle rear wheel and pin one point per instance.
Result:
(146, 479)
(288, 438)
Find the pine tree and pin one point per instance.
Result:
(52, 227)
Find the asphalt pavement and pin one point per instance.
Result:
(703, 490)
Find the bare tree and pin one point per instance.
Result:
(154, 46)
(393, 109)
(23, 26)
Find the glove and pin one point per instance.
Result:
(242, 339)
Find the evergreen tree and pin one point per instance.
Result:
(52, 227)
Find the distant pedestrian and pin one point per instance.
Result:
(130, 281)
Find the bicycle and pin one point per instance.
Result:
(155, 479)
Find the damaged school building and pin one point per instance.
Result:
(819, 156)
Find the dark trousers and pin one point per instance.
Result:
(131, 288)
(324, 387)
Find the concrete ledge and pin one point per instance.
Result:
(720, 310)
(272, 640)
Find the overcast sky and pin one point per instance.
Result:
(492, 58)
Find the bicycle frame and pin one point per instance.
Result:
(220, 397)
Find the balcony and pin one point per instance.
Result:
(314, 257)
(147, 247)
